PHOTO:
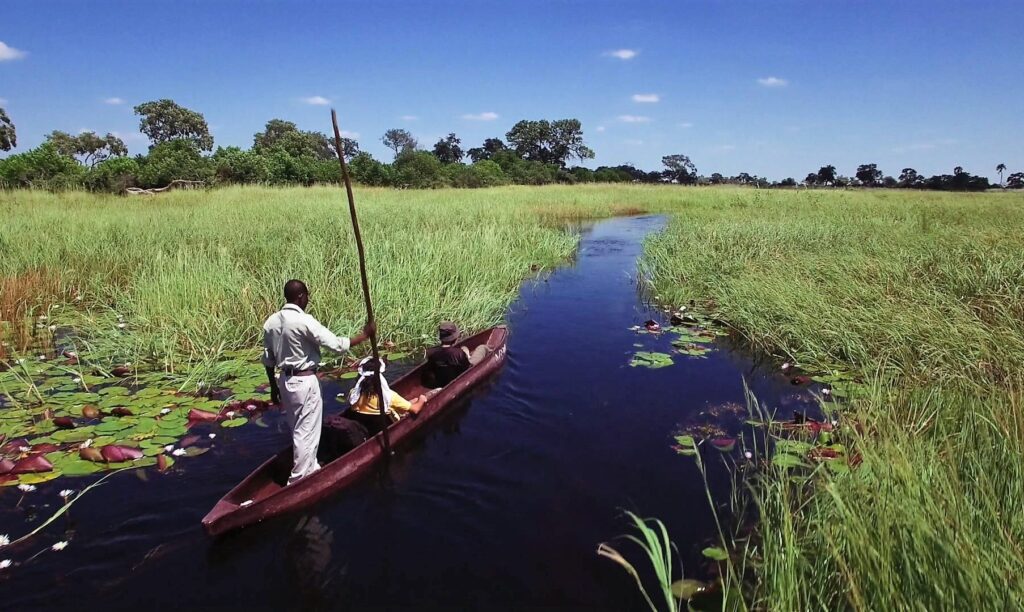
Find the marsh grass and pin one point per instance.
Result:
(921, 296)
(190, 274)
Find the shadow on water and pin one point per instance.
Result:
(500, 506)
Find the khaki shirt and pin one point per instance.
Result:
(292, 339)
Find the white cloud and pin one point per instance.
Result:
(347, 134)
(772, 82)
(634, 119)
(114, 101)
(10, 53)
(316, 100)
(646, 98)
(686, 124)
(632, 142)
(622, 54)
(487, 116)
(600, 128)
(408, 117)
(84, 130)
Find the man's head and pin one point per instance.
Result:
(295, 292)
(447, 332)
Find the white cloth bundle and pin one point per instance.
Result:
(364, 374)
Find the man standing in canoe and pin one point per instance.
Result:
(291, 344)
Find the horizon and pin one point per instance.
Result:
(923, 84)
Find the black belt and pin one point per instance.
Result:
(290, 371)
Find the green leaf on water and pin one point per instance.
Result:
(234, 422)
(715, 553)
(686, 588)
(396, 356)
(651, 360)
(349, 375)
(195, 451)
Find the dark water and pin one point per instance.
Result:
(501, 506)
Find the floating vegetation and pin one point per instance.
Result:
(651, 360)
(58, 418)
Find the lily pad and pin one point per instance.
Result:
(651, 360)
(235, 422)
(349, 375)
(715, 553)
(686, 588)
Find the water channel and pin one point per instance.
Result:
(501, 506)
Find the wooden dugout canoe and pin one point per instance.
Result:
(266, 489)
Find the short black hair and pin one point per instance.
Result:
(293, 289)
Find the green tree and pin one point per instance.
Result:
(549, 142)
(827, 175)
(8, 135)
(43, 167)
(164, 121)
(419, 169)
(233, 165)
(490, 147)
(400, 141)
(174, 160)
(280, 134)
(448, 149)
(368, 171)
(1001, 168)
(811, 179)
(909, 178)
(680, 169)
(869, 174)
(1015, 180)
(113, 175)
(88, 147)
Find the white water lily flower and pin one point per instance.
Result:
(59, 546)
(169, 448)
(76, 380)
(826, 392)
(213, 435)
(5, 540)
(66, 493)
(6, 563)
(165, 411)
(178, 452)
(27, 488)
(748, 454)
(122, 325)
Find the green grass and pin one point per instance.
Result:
(921, 295)
(195, 273)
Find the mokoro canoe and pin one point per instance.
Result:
(264, 493)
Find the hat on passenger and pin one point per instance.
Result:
(447, 332)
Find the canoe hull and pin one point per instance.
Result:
(264, 485)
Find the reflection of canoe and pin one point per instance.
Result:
(265, 486)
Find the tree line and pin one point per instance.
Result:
(533, 152)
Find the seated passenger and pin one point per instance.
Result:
(362, 400)
(446, 362)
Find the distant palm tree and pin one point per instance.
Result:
(1001, 168)
(958, 170)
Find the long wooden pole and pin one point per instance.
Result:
(340, 149)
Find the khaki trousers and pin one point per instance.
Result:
(304, 408)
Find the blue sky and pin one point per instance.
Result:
(774, 88)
